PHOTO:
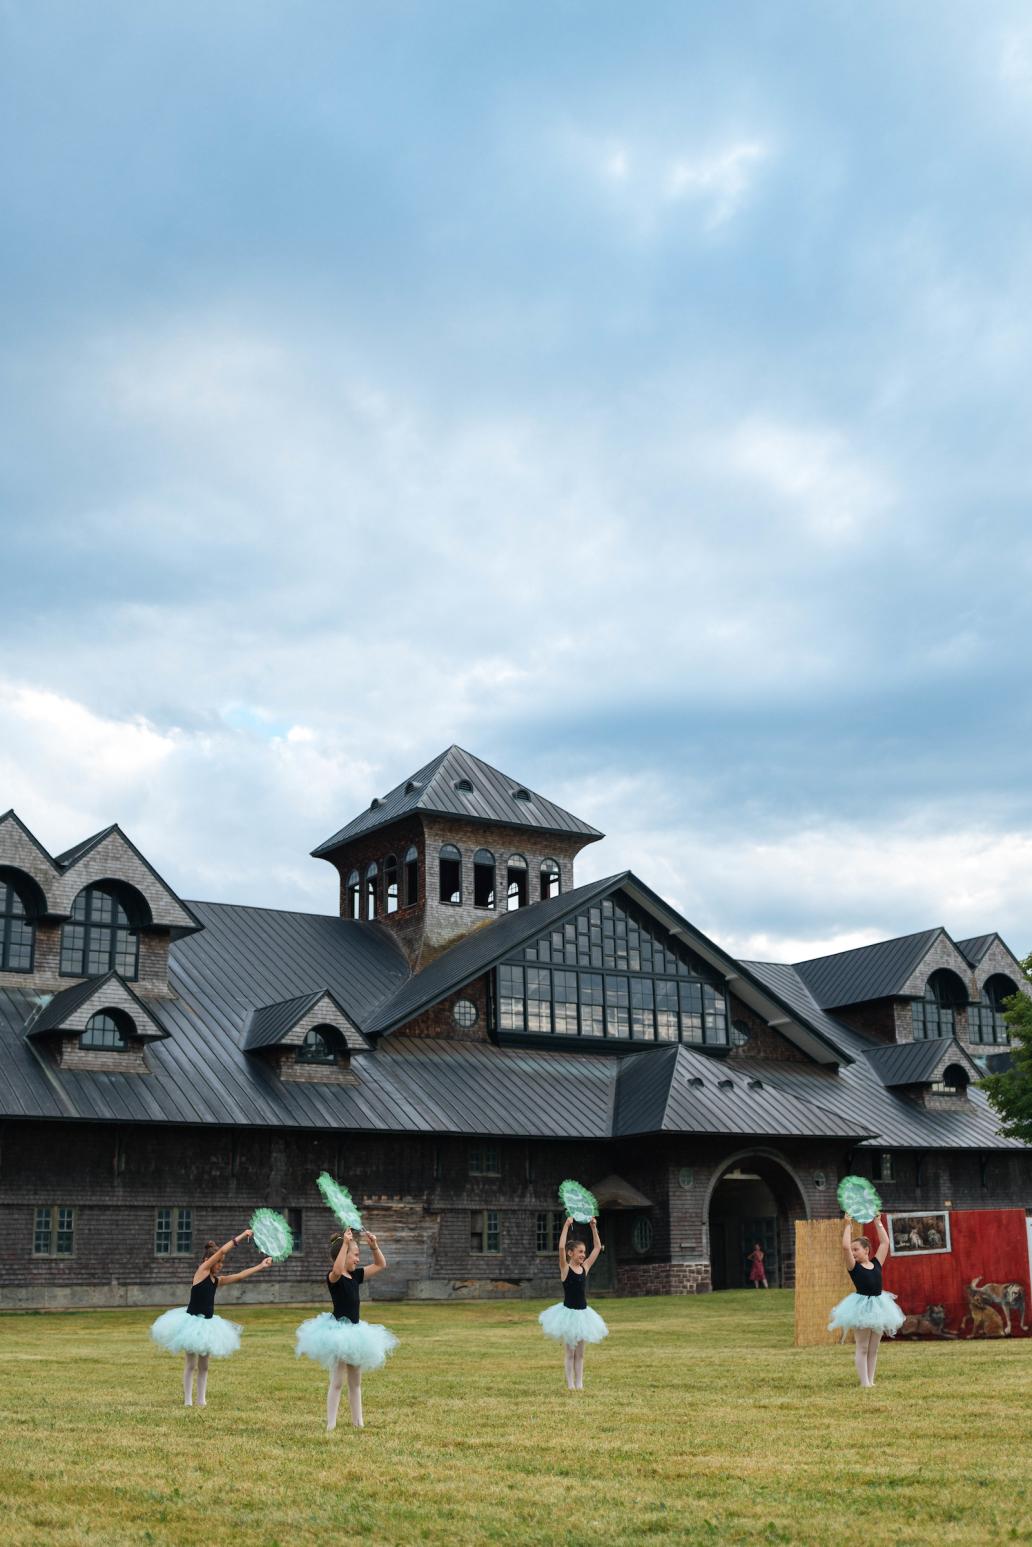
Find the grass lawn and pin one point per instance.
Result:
(699, 1423)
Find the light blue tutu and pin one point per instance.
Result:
(572, 1327)
(329, 1342)
(878, 1313)
(180, 1333)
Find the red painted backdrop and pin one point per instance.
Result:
(990, 1244)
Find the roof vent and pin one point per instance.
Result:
(463, 786)
(754, 1084)
(696, 1081)
(411, 787)
(725, 1084)
(374, 802)
(522, 794)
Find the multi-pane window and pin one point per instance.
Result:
(319, 1046)
(986, 1022)
(885, 1172)
(410, 866)
(98, 937)
(667, 1029)
(483, 1160)
(484, 1234)
(548, 1230)
(539, 1000)
(17, 931)
(353, 896)
(106, 1031)
(390, 883)
(512, 999)
(551, 879)
(483, 879)
(449, 862)
(934, 1015)
(54, 1231)
(173, 1232)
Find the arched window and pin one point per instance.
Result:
(372, 871)
(953, 1081)
(935, 1014)
(551, 879)
(108, 1029)
(411, 864)
(322, 1045)
(483, 879)
(985, 1019)
(450, 868)
(17, 931)
(515, 883)
(353, 897)
(390, 883)
(99, 937)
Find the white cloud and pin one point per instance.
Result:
(721, 181)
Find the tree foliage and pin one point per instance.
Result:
(1011, 1092)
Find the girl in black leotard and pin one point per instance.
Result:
(339, 1340)
(573, 1323)
(870, 1310)
(196, 1331)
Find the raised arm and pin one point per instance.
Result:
(234, 1278)
(596, 1246)
(379, 1261)
(340, 1262)
(564, 1266)
(847, 1236)
(216, 1257)
(883, 1240)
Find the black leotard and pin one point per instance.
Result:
(867, 1281)
(202, 1297)
(344, 1294)
(575, 1291)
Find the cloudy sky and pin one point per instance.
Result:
(636, 395)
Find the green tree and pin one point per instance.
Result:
(1011, 1092)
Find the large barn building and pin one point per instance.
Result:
(472, 1028)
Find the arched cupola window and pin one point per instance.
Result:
(516, 883)
(322, 1045)
(410, 866)
(108, 1030)
(371, 876)
(450, 867)
(99, 936)
(483, 879)
(985, 1019)
(551, 879)
(17, 931)
(935, 1015)
(353, 896)
(390, 884)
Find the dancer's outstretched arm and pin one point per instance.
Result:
(340, 1262)
(234, 1278)
(883, 1240)
(379, 1261)
(596, 1246)
(564, 1266)
(847, 1236)
(216, 1257)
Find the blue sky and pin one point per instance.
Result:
(638, 396)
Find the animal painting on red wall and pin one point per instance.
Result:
(961, 1273)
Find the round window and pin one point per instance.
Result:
(686, 1177)
(819, 1179)
(641, 1235)
(464, 1013)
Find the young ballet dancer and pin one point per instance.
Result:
(338, 1340)
(574, 1323)
(758, 1271)
(196, 1331)
(871, 1311)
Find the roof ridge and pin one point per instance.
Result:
(872, 945)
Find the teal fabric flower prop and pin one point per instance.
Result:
(858, 1199)
(339, 1201)
(578, 1202)
(272, 1235)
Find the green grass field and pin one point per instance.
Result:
(700, 1423)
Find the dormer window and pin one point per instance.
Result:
(390, 883)
(17, 931)
(515, 883)
(322, 1045)
(953, 1081)
(353, 897)
(450, 874)
(99, 937)
(107, 1031)
(551, 879)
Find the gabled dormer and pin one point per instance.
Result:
(97, 1024)
(308, 1038)
(935, 1072)
(98, 907)
(455, 846)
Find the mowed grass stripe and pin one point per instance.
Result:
(700, 1423)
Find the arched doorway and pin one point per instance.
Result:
(754, 1198)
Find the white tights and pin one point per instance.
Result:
(866, 1353)
(353, 1375)
(198, 1362)
(573, 1363)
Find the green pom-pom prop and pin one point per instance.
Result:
(578, 1202)
(339, 1201)
(272, 1235)
(858, 1199)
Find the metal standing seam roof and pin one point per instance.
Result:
(432, 790)
(62, 1006)
(869, 972)
(915, 1063)
(975, 948)
(270, 1023)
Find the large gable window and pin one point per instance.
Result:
(934, 1015)
(661, 992)
(17, 932)
(99, 937)
(985, 1019)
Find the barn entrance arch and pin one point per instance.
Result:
(754, 1197)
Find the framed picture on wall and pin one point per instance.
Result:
(919, 1235)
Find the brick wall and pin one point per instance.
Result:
(764, 1041)
(876, 1018)
(440, 1020)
